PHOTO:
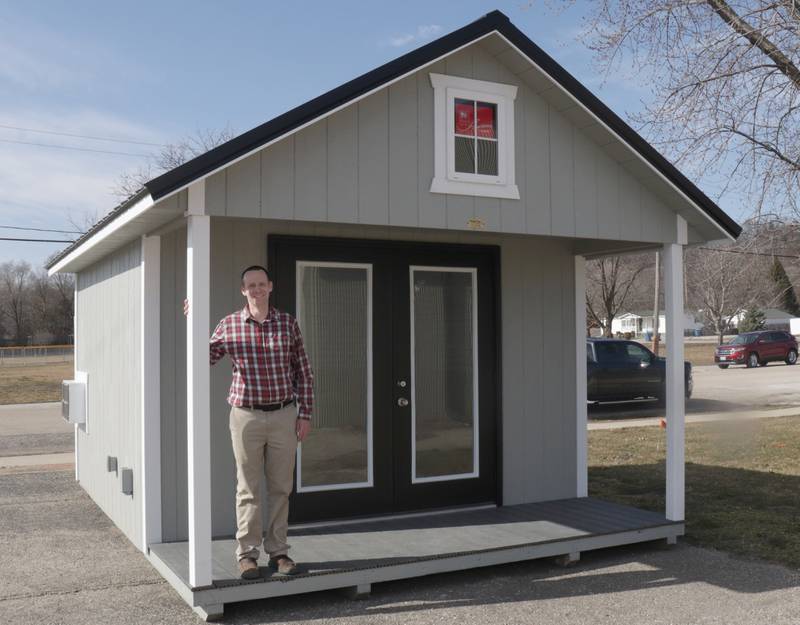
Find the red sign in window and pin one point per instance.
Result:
(486, 120)
(465, 117)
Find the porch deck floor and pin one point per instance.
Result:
(340, 556)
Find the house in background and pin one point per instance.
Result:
(774, 319)
(428, 223)
(639, 323)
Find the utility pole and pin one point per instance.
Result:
(655, 306)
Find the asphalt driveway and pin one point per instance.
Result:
(63, 562)
(717, 391)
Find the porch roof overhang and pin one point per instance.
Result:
(136, 216)
(506, 42)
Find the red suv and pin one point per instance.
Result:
(757, 348)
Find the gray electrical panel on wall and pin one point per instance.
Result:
(127, 481)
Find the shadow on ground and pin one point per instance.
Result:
(647, 566)
(755, 514)
(649, 408)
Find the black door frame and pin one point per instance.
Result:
(276, 242)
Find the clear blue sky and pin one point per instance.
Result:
(155, 72)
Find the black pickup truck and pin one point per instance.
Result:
(620, 370)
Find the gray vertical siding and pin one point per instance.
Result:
(109, 335)
(538, 387)
(372, 163)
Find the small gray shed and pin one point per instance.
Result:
(428, 223)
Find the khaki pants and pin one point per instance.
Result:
(263, 443)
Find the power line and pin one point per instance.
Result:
(36, 240)
(67, 147)
(43, 230)
(69, 134)
(713, 249)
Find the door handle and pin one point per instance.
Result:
(402, 402)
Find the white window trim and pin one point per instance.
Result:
(370, 483)
(445, 180)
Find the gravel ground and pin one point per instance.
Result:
(24, 445)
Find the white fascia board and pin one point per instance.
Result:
(581, 383)
(647, 163)
(328, 114)
(139, 208)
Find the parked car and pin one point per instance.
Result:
(619, 370)
(757, 348)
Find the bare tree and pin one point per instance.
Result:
(62, 311)
(724, 280)
(14, 298)
(725, 78)
(51, 302)
(609, 284)
(33, 303)
(170, 157)
(129, 183)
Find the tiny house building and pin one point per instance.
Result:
(428, 223)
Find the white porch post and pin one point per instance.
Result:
(198, 431)
(75, 367)
(673, 300)
(581, 442)
(151, 390)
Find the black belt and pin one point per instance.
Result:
(270, 407)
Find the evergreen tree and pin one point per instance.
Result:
(787, 299)
(753, 320)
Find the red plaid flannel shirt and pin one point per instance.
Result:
(270, 364)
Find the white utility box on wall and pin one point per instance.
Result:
(73, 401)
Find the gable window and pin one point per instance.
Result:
(474, 137)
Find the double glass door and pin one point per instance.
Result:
(401, 339)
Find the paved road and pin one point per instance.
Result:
(33, 419)
(718, 392)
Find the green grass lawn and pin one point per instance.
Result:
(742, 482)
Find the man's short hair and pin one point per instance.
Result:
(256, 268)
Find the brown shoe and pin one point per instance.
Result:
(248, 569)
(283, 565)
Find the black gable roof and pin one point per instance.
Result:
(252, 139)
(495, 21)
(278, 126)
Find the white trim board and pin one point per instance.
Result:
(581, 384)
(151, 390)
(198, 412)
(138, 209)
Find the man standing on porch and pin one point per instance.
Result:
(271, 397)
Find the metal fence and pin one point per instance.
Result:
(36, 354)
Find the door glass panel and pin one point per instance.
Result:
(334, 309)
(444, 373)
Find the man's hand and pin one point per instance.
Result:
(186, 308)
(302, 428)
